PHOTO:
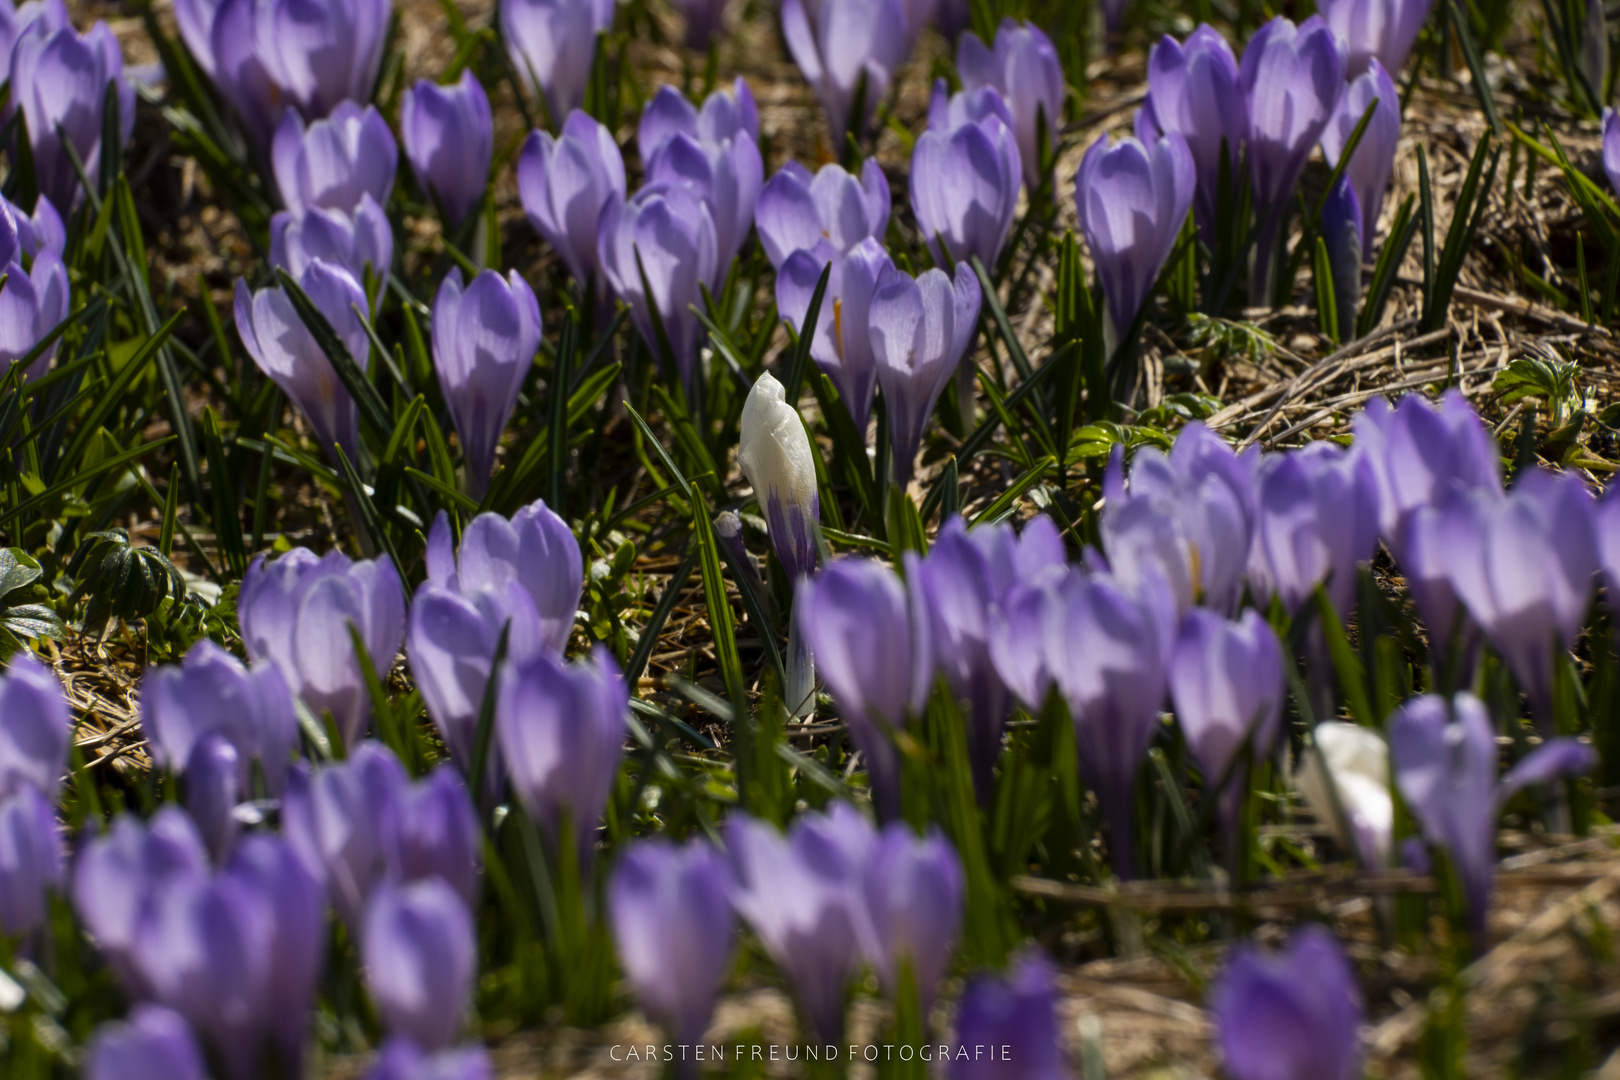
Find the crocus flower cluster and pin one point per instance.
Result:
(566, 185)
(1022, 66)
(965, 175)
(34, 730)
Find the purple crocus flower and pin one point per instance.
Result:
(851, 44)
(1606, 528)
(703, 19)
(797, 211)
(1292, 79)
(1133, 200)
(566, 186)
(355, 242)
(842, 345)
(858, 621)
(343, 821)
(40, 231)
(15, 21)
(60, 78)
(449, 140)
(1294, 1014)
(920, 329)
(673, 929)
(484, 340)
(726, 115)
(155, 1044)
(439, 835)
(1421, 454)
(1611, 148)
(212, 791)
(212, 692)
(801, 894)
(775, 454)
(1023, 67)
(552, 44)
(1318, 520)
(1017, 1011)
(1384, 30)
(965, 174)
(666, 232)
(1373, 163)
(401, 1059)
(32, 303)
(912, 898)
(420, 954)
(334, 162)
(1194, 90)
(1444, 755)
(561, 729)
(31, 860)
(725, 175)
(285, 349)
(35, 724)
(317, 54)
(298, 610)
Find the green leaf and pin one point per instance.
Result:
(806, 335)
(373, 413)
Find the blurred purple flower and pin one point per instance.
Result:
(1606, 527)
(32, 303)
(567, 185)
(35, 724)
(42, 230)
(726, 115)
(1318, 519)
(842, 345)
(317, 54)
(552, 44)
(1341, 232)
(797, 211)
(15, 21)
(920, 330)
(1194, 90)
(400, 1059)
(352, 241)
(1384, 30)
(1373, 163)
(31, 860)
(912, 897)
(449, 138)
(965, 175)
(725, 175)
(1017, 1011)
(420, 955)
(1291, 1015)
(776, 456)
(59, 79)
(335, 162)
(845, 47)
(212, 790)
(343, 821)
(155, 1044)
(703, 20)
(439, 834)
(1611, 148)
(801, 894)
(673, 929)
(1421, 454)
(1444, 755)
(1022, 66)
(297, 611)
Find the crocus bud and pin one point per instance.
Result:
(858, 621)
(212, 791)
(284, 349)
(1318, 520)
(438, 833)
(211, 692)
(728, 530)
(1373, 163)
(1611, 148)
(319, 54)
(1341, 231)
(484, 340)
(1017, 1011)
(34, 727)
(920, 328)
(343, 822)
(801, 894)
(552, 44)
(673, 929)
(1023, 67)
(1294, 1014)
(31, 860)
(664, 231)
(1384, 30)
(354, 242)
(17, 21)
(726, 115)
(32, 303)
(844, 47)
(335, 161)
(1355, 760)
(420, 956)
(912, 896)
(1422, 453)
(155, 1044)
(561, 728)
(965, 174)
(60, 80)
(842, 345)
(401, 1059)
(726, 176)
(703, 19)
(797, 211)
(1132, 201)
(775, 454)
(567, 184)
(43, 229)
(1445, 765)
(449, 140)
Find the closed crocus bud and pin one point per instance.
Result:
(212, 791)
(1318, 520)
(1017, 634)
(335, 161)
(673, 929)
(912, 895)
(664, 231)
(920, 330)
(321, 54)
(212, 692)
(801, 894)
(727, 114)
(154, 1044)
(1611, 148)
(33, 302)
(561, 729)
(284, 349)
(1422, 453)
(298, 611)
(343, 821)
(842, 345)
(797, 211)
(42, 230)
(566, 184)
(965, 175)
(1291, 1015)
(449, 140)
(484, 340)
(355, 242)
(703, 19)
(845, 47)
(858, 621)
(401, 1059)
(1292, 78)
(552, 44)
(1132, 201)
(1384, 30)
(775, 454)
(61, 79)
(34, 727)
(31, 860)
(1016, 1012)
(1355, 760)
(438, 833)
(420, 956)
(1445, 765)
(1023, 67)
(1373, 163)
(1341, 231)
(534, 549)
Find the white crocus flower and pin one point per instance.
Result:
(1357, 758)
